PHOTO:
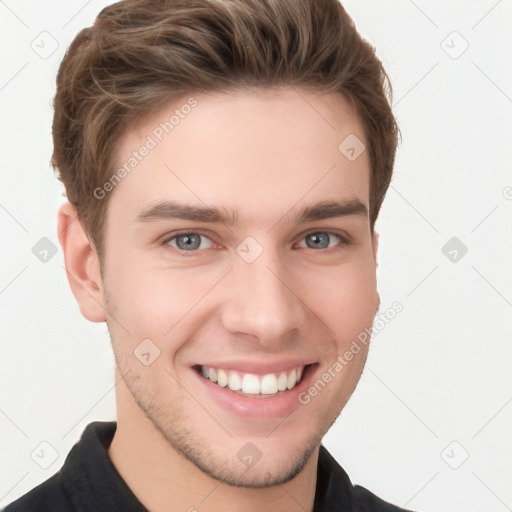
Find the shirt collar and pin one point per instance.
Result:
(334, 490)
(91, 479)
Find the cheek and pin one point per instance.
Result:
(347, 301)
(152, 302)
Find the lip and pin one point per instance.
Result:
(268, 408)
(258, 368)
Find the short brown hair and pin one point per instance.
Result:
(140, 54)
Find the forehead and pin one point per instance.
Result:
(246, 149)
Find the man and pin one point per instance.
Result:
(225, 163)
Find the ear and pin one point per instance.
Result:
(82, 264)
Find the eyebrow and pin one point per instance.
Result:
(166, 210)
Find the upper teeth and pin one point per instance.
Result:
(251, 383)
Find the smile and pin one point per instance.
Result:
(252, 384)
(256, 390)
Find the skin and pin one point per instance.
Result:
(266, 155)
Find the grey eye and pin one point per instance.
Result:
(319, 240)
(188, 242)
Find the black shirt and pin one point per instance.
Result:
(89, 482)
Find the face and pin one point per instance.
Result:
(239, 267)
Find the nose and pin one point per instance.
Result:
(262, 303)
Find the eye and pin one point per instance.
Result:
(322, 239)
(188, 242)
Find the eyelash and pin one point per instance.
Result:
(343, 241)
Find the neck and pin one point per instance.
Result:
(163, 479)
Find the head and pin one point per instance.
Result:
(225, 163)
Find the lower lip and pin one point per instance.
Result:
(275, 407)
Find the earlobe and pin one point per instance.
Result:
(82, 264)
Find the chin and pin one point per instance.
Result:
(250, 468)
(239, 461)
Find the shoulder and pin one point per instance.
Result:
(368, 502)
(47, 496)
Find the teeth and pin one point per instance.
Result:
(292, 379)
(281, 381)
(234, 382)
(222, 378)
(269, 384)
(252, 384)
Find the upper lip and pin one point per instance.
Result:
(259, 367)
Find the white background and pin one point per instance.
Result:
(436, 374)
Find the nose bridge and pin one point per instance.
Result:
(261, 302)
